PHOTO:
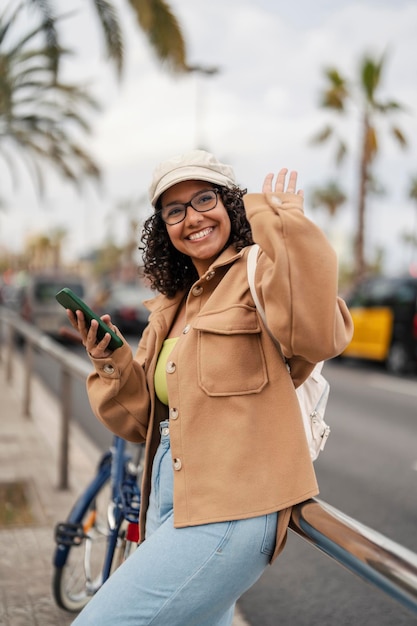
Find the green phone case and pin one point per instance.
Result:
(70, 300)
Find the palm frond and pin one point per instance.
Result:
(322, 136)
(370, 74)
(31, 162)
(412, 191)
(330, 196)
(10, 162)
(53, 51)
(341, 152)
(7, 21)
(388, 107)
(77, 93)
(38, 113)
(49, 21)
(110, 24)
(399, 136)
(163, 31)
(336, 92)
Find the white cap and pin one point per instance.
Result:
(194, 165)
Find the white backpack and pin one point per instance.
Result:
(313, 393)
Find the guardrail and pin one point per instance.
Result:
(71, 365)
(365, 552)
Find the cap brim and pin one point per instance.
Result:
(193, 172)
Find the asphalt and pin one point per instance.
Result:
(29, 455)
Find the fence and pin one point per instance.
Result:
(372, 556)
(71, 366)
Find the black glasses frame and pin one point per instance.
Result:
(190, 203)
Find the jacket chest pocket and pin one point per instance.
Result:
(230, 358)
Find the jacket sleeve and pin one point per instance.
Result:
(297, 279)
(118, 393)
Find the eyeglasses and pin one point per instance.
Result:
(202, 202)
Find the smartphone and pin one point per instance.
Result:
(71, 301)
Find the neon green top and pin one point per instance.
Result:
(160, 379)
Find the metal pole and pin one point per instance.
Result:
(27, 387)
(9, 353)
(2, 336)
(200, 101)
(65, 422)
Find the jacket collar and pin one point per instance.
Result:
(162, 303)
(229, 255)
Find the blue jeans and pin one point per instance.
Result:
(189, 576)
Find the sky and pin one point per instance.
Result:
(258, 113)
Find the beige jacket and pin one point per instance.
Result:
(237, 437)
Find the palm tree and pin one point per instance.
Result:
(39, 249)
(57, 238)
(155, 19)
(39, 115)
(363, 92)
(330, 197)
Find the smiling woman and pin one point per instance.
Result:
(208, 389)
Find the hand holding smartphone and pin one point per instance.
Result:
(70, 300)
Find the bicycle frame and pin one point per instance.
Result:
(123, 476)
(117, 466)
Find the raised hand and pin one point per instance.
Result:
(280, 183)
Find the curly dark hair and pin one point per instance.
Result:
(168, 270)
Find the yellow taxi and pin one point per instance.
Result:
(384, 312)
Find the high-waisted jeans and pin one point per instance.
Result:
(189, 576)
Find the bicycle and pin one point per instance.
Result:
(101, 529)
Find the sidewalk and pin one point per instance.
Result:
(28, 454)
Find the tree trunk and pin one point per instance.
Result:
(360, 264)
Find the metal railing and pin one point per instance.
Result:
(71, 366)
(362, 550)
(365, 552)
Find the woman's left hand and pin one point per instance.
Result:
(280, 183)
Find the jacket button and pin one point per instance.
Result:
(177, 464)
(170, 367)
(186, 329)
(173, 414)
(210, 275)
(108, 369)
(197, 290)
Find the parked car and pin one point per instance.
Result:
(39, 306)
(125, 305)
(11, 296)
(384, 312)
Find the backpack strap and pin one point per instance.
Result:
(251, 267)
(313, 393)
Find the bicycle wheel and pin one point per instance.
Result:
(81, 576)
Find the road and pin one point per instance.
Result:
(367, 470)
